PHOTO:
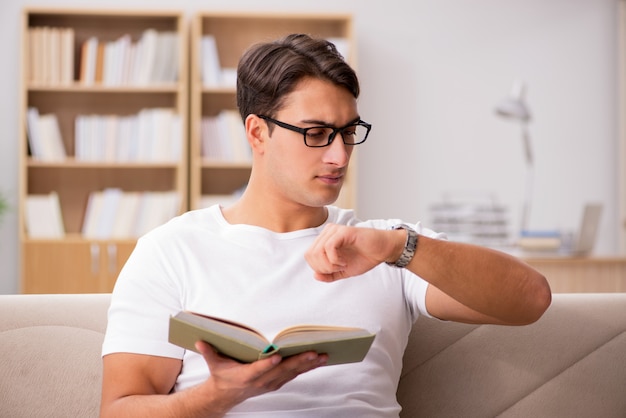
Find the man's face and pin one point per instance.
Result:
(303, 175)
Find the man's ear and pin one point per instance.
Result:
(256, 132)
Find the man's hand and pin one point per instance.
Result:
(136, 385)
(232, 382)
(343, 251)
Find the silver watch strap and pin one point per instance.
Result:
(409, 247)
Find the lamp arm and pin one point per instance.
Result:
(529, 177)
(527, 147)
(528, 193)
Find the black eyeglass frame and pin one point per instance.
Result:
(331, 137)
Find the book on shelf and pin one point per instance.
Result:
(92, 214)
(43, 216)
(223, 138)
(99, 63)
(152, 135)
(153, 59)
(540, 240)
(114, 58)
(165, 66)
(123, 225)
(154, 209)
(113, 213)
(211, 70)
(89, 61)
(210, 62)
(240, 342)
(51, 55)
(44, 136)
(147, 50)
(109, 211)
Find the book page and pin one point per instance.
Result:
(226, 327)
(228, 322)
(306, 328)
(314, 333)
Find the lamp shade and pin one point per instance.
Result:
(514, 106)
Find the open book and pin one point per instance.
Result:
(342, 344)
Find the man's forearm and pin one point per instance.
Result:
(194, 402)
(488, 281)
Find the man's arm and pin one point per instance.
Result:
(479, 285)
(136, 385)
(468, 283)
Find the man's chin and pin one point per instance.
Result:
(322, 201)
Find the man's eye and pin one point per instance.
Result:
(316, 133)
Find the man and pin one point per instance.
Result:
(282, 256)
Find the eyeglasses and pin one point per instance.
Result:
(354, 133)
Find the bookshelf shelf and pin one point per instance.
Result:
(71, 163)
(218, 90)
(216, 164)
(80, 88)
(109, 87)
(78, 239)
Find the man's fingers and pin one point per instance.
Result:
(292, 367)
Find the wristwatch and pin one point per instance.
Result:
(409, 247)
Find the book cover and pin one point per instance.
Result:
(43, 216)
(93, 211)
(88, 56)
(34, 135)
(111, 198)
(211, 67)
(539, 240)
(342, 344)
(51, 139)
(127, 215)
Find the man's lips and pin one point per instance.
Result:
(331, 178)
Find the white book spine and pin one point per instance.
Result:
(43, 216)
(211, 68)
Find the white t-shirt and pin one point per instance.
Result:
(199, 262)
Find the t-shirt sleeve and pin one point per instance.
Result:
(144, 298)
(414, 286)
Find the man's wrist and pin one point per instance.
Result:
(410, 246)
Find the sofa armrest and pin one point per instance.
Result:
(50, 354)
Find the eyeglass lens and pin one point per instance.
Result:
(322, 136)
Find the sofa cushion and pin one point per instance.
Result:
(569, 363)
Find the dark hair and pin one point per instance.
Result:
(268, 71)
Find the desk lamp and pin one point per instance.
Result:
(514, 108)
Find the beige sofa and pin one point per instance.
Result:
(571, 363)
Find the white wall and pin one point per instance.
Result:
(431, 73)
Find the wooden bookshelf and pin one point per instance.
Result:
(73, 262)
(233, 33)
